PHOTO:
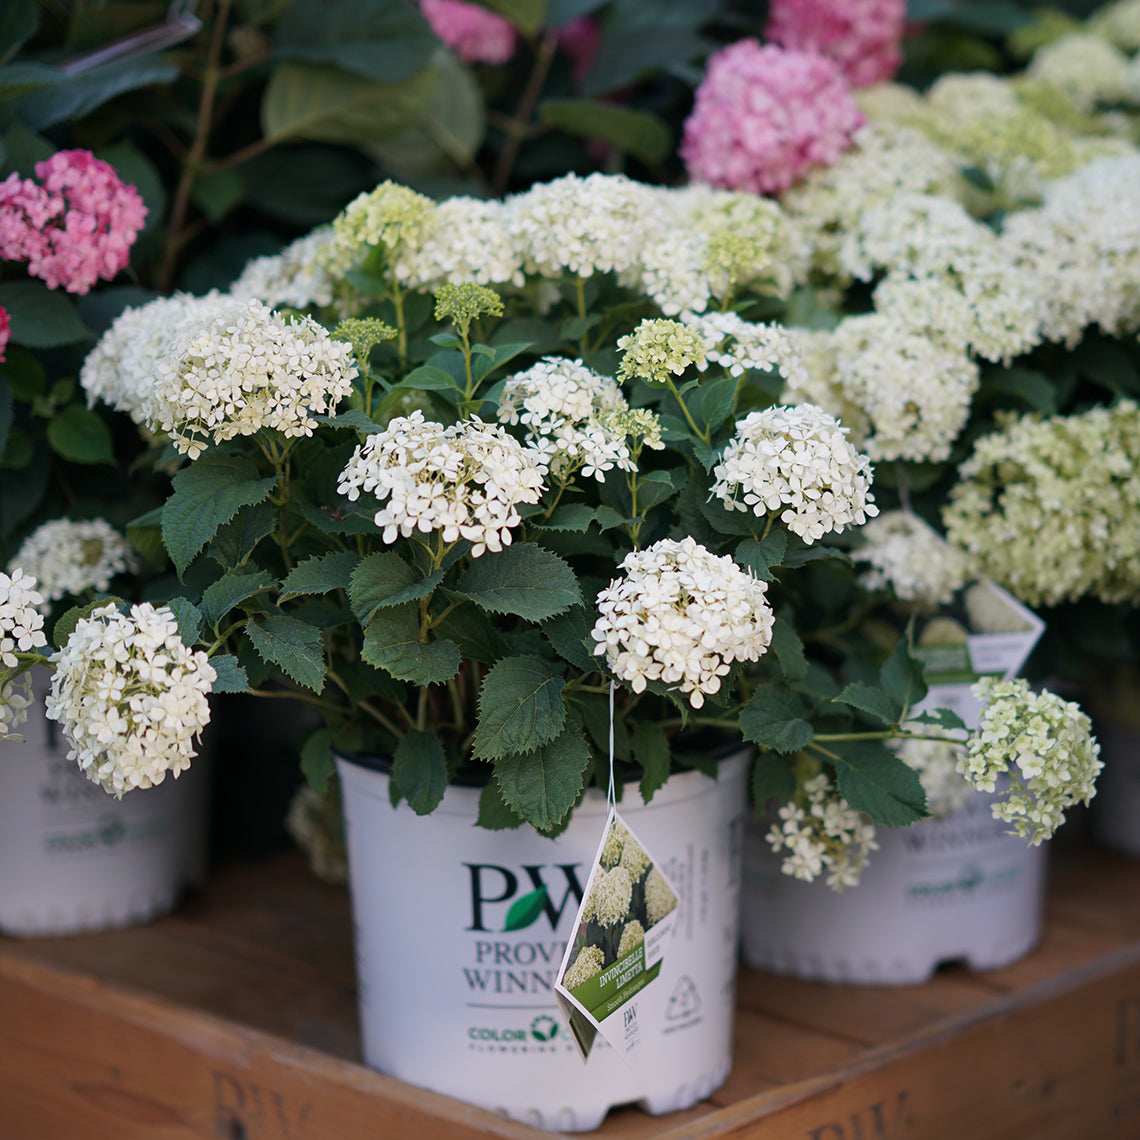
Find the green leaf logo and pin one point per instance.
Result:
(525, 910)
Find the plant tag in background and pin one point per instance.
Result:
(621, 935)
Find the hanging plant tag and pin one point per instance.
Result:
(621, 934)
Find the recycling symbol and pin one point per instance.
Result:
(685, 1001)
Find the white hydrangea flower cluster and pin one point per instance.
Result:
(465, 239)
(632, 936)
(908, 557)
(914, 390)
(737, 345)
(634, 857)
(1118, 23)
(586, 965)
(391, 216)
(658, 350)
(68, 557)
(886, 161)
(573, 416)
(244, 370)
(583, 226)
(824, 835)
(681, 615)
(817, 382)
(797, 461)
(21, 631)
(466, 480)
(1050, 508)
(296, 277)
(607, 904)
(660, 898)
(1043, 743)
(936, 762)
(1084, 242)
(130, 697)
(121, 369)
(1086, 67)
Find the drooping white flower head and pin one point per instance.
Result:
(1043, 743)
(122, 367)
(466, 480)
(796, 461)
(245, 369)
(825, 833)
(577, 418)
(681, 615)
(130, 697)
(908, 557)
(21, 631)
(68, 557)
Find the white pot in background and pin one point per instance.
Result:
(958, 888)
(1115, 810)
(76, 859)
(452, 1002)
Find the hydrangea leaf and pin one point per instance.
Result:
(495, 814)
(774, 718)
(870, 700)
(385, 579)
(237, 539)
(651, 751)
(788, 647)
(80, 435)
(320, 574)
(525, 580)
(392, 643)
(317, 759)
(520, 709)
(872, 779)
(772, 778)
(544, 784)
(232, 588)
(420, 768)
(292, 646)
(902, 677)
(943, 718)
(206, 495)
(569, 633)
(760, 557)
(232, 678)
(189, 618)
(639, 133)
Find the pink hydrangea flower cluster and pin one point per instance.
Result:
(74, 229)
(862, 37)
(473, 33)
(5, 333)
(763, 116)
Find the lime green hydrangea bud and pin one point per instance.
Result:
(464, 302)
(657, 349)
(364, 334)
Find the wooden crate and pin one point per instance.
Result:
(236, 1019)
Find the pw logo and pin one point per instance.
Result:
(492, 885)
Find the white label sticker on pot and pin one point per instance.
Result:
(621, 933)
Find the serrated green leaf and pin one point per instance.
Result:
(495, 814)
(520, 709)
(874, 780)
(384, 579)
(189, 618)
(522, 579)
(772, 776)
(320, 574)
(392, 643)
(526, 909)
(761, 557)
(572, 517)
(232, 678)
(544, 784)
(639, 133)
(206, 495)
(420, 768)
(472, 630)
(80, 435)
(773, 718)
(651, 750)
(654, 487)
(236, 540)
(292, 646)
(495, 356)
(231, 589)
(901, 676)
(428, 378)
(569, 633)
(789, 649)
(870, 700)
(317, 762)
(943, 718)
(352, 419)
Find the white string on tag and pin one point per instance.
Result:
(611, 799)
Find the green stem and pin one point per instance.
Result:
(703, 436)
(580, 290)
(401, 325)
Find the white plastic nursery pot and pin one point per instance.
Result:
(76, 859)
(1115, 810)
(952, 889)
(454, 1002)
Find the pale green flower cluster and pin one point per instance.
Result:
(465, 301)
(588, 964)
(1086, 67)
(1050, 508)
(1043, 744)
(823, 834)
(613, 844)
(632, 936)
(657, 350)
(315, 823)
(660, 898)
(1118, 23)
(908, 557)
(67, 557)
(607, 904)
(391, 216)
(989, 612)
